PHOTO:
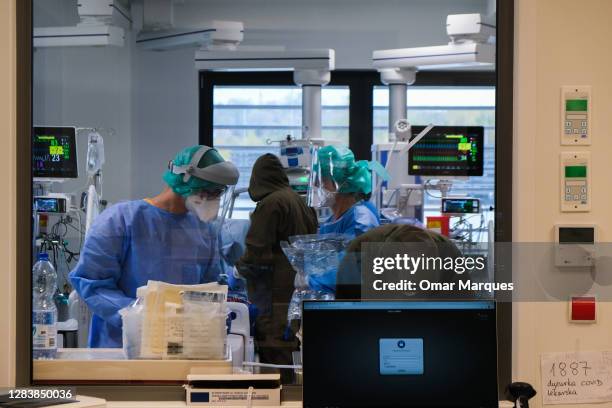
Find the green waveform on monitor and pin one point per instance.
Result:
(439, 158)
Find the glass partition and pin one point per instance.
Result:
(140, 235)
(451, 106)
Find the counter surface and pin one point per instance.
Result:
(78, 365)
(88, 402)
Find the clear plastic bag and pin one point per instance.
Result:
(188, 325)
(131, 318)
(174, 332)
(204, 325)
(157, 296)
(312, 256)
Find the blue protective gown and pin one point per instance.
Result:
(370, 205)
(233, 237)
(131, 243)
(354, 222)
(360, 218)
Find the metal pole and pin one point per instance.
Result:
(311, 111)
(397, 104)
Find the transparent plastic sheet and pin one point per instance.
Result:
(156, 325)
(321, 185)
(204, 325)
(312, 255)
(131, 317)
(174, 332)
(158, 294)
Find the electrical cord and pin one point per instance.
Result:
(428, 183)
(481, 226)
(82, 235)
(55, 241)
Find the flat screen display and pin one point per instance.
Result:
(576, 105)
(54, 152)
(576, 235)
(399, 354)
(454, 151)
(460, 206)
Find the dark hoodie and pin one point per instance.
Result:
(280, 213)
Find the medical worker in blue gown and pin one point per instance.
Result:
(172, 237)
(345, 186)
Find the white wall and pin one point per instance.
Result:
(165, 114)
(86, 87)
(558, 42)
(8, 205)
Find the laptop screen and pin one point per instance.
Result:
(391, 354)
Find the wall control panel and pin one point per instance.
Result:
(575, 245)
(575, 181)
(576, 115)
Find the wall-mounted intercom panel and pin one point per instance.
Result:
(576, 115)
(575, 245)
(575, 181)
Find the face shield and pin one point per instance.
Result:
(211, 206)
(322, 187)
(207, 182)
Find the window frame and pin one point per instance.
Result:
(23, 176)
(361, 85)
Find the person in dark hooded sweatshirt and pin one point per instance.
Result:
(280, 213)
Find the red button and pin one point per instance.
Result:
(583, 309)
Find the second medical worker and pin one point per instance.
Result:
(172, 237)
(345, 186)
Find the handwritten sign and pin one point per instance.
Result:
(576, 378)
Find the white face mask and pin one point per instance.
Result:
(322, 197)
(206, 210)
(329, 198)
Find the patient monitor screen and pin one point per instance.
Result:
(391, 354)
(455, 151)
(54, 152)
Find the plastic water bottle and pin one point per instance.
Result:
(44, 311)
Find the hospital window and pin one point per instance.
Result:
(450, 106)
(248, 121)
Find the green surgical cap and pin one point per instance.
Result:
(350, 175)
(194, 184)
(335, 162)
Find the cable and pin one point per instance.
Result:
(481, 226)
(427, 183)
(81, 228)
